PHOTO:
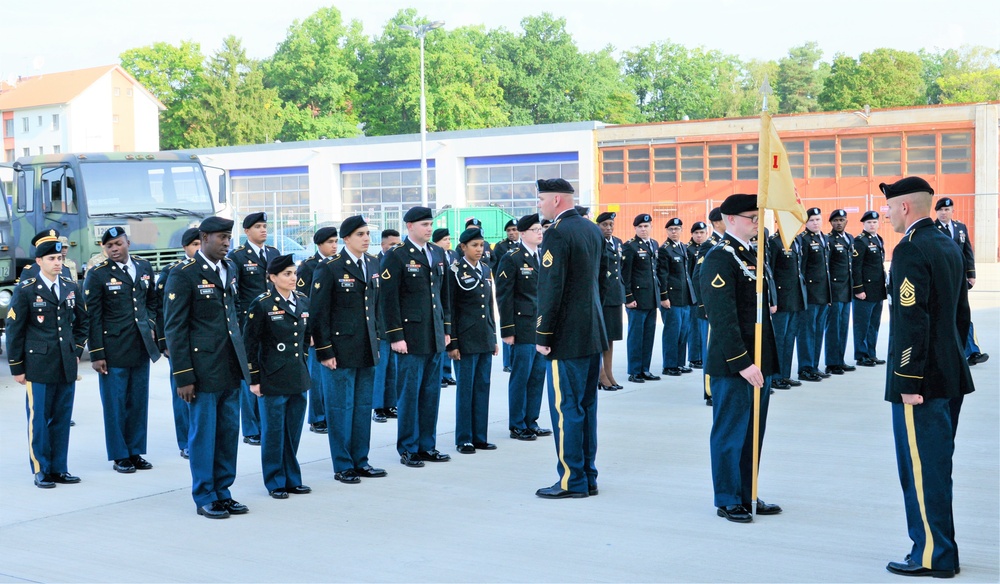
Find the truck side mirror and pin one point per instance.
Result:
(222, 189)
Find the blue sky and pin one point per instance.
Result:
(74, 34)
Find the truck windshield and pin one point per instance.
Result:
(144, 187)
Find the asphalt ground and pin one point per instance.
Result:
(828, 460)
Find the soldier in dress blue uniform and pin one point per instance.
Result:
(816, 272)
(959, 233)
(191, 242)
(841, 248)
(868, 277)
(673, 270)
(517, 299)
(718, 225)
(325, 240)
(46, 332)
(499, 250)
(209, 364)
(385, 392)
(122, 304)
(612, 293)
(31, 270)
(642, 297)
(474, 343)
(275, 338)
(418, 324)
(251, 281)
(700, 245)
(488, 253)
(790, 293)
(927, 375)
(729, 291)
(344, 322)
(570, 333)
(442, 238)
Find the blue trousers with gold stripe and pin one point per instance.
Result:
(731, 438)
(925, 442)
(573, 406)
(49, 407)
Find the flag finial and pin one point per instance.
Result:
(765, 90)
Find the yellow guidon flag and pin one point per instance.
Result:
(775, 186)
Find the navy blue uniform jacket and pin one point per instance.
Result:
(344, 311)
(276, 343)
(417, 308)
(35, 321)
(474, 329)
(517, 295)
(122, 314)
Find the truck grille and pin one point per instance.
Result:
(160, 258)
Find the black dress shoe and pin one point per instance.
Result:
(448, 381)
(866, 362)
(846, 367)
(780, 384)
(411, 460)
(466, 448)
(708, 401)
(506, 369)
(72, 423)
(767, 509)
(391, 414)
(911, 568)
(63, 478)
(834, 370)
(484, 446)
(672, 371)
(636, 379)
(234, 507)
(821, 374)
(42, 481)
(809, 376)
(320, 427)
(958, 569)
(140, 463)
(252, 440)
(616, 386)
(348, 477)
(185, 454)
(214, 510)
(370, 472)
(434, 456)
(519, 434)
(300, 490)
(556, 492)
(649, 376)
(793, 382)
(734, 513)
(124, 466)
(977, 358)
(541, 431)
(695, 364)
(379, 416)
(683, 369)
(592, 491)
(603, 387)
(278, 494)
(882, 361)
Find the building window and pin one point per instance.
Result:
(823, 158)
(509, 182)
(613, 167)
(693, 163)
(117, 91)
(720, 162)
(10, 155)
(8, 128)
(128, 92)
(117, 148)
(796, 157)
(41, 150)
(853, 157)
(368, 192)
(55, 121)
(26, 124)
(56, 149)
(26, 151)
(284, 189)
(956, 153)
(921, 154)
(114, 119)
(638, 165)
(665, 164)
(39, 121)
(747, 161)
(887, 155)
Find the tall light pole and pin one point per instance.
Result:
(420, 32)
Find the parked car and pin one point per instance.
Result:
(288, 245)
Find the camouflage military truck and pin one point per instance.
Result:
(154, 196)
(6, 258)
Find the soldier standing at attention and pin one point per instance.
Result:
(275, 335)
(344, 317)
(384, 398)
(718, 225)
(729, 291)
(816, 272)
(325, 239)
(47, 313)
(122, 304)
(251, 281)
(418, 324)
(612, 297)
(499, 250)
(31, 270)
(471, 292)
(642, 296)
(928, 374)
(701, 317)
(209, 364)
(191, 241)
(673, 270)
(868, 265)
(841, 248)
(442, 238)
(790, 292)
(697, 247)
(570, 333)
(488, 254)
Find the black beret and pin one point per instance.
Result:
(510, 224)
(641, 218)
(415, 214)
(324, 233)
(910, 184)
(546, 222)
(838, 213)
(813, 211)
(698, 225)
(554, 185)
(715, 214)
(47, 243)
(606, 215)
(351, 224)
(473, 221)
(215, 224)
(675, 222)
(736, 204)
(525, 223)
(868, 216)
(440, 234)
(254, 218)
(279, 264)
(945, 202)
(43, 236)
(112, 233)
(189, 236)
(470, 234)
(581, 210)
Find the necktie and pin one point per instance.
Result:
(535, 257)
(427, 252)
(364, 273)
(55, 291)
(951, 229)
(291, 304)
(263, 257)
(218, 272)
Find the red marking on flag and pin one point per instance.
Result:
(774, 164)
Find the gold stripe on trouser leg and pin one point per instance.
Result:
(31, 427)
(918, 484)
(560, 447)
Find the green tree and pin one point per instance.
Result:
(313, 70)
(174, 75)
(881, 78)
(798, 82)
(965, 75)
(235, 108)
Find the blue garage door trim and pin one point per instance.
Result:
(384, 165)
(539, 158)
(245, 172)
